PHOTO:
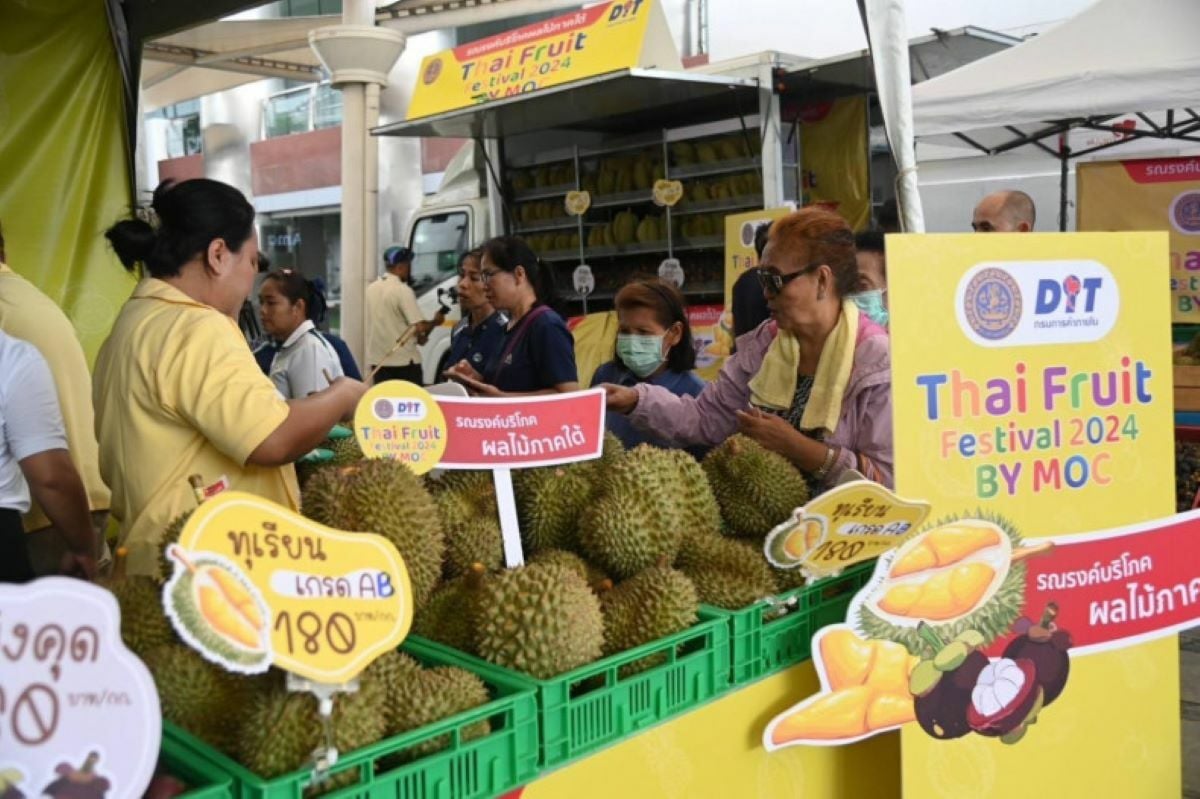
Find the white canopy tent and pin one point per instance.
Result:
(1114, 58)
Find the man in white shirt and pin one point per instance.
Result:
(34, 460)
(391, 307)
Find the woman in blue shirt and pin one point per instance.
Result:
(654, 345)
(538, 354)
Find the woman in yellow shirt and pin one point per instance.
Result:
(176, 389)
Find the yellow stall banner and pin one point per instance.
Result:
(833, 154)
(1150, 194)
(621, 34)
(1045, 408)
(63, 151)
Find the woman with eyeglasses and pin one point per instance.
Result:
(304, 361)
(812, 383)
(654, 346)
(538, 354)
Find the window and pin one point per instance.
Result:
(183, 128)
(302, 109)
(437, 241)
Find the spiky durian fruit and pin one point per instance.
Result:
(540, 619)
(466, 504)
(385, 497)
(756, 489)
(345, 451)
(199, 696)
(654, 603)
(431, 695)
(446, 616)
(591, 574)
(324, 499)
(144, 624)
(391, 672)
(956, 576)
(726, 572)
(698, 508)
(549, 503)
(166, 564)
(636, 520)
(281, 730)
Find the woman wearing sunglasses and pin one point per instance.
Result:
(812, 383)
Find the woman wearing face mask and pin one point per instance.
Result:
(813, 383)
(538, 354)
(870, 292)
(654, 346)
(304, 361)
(177, 391)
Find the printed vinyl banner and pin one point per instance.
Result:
(1044, 412)
(603, 38)
(833, 149)
(1151, 194)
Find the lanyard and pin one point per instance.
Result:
(514, 339)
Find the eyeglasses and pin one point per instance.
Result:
(486, 275)
(772, 281)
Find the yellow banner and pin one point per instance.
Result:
(833, 154)
(62, 144)
(1045, 407)
(256, 585)
(1150, 194)
(604, 38)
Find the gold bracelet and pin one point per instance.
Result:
(830, 457)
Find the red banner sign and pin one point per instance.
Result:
(1118, 587)
(522, 433)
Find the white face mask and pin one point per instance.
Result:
(871, 303)
(642, 354)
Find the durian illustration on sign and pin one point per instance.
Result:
(218, 611)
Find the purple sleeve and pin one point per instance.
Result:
(706, 419)
(864, 437)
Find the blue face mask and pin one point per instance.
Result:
(642, 354)
(871, 303)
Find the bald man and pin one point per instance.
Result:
(1004, 212)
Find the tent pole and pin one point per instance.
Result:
(1064, 157)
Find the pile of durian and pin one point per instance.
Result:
(620, 551)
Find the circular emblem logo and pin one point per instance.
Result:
(992, 304)
(383, 409)
(1185, 212)
(432, 71)
(748, 231)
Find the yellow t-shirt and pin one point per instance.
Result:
(26, 313)
(391, 307)
(177, 393)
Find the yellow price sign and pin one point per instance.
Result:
(257, 585)
(401, 421)
(848, 524)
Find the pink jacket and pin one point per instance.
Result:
(864, 432)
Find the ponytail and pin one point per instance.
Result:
(509, 252)
(296, 287)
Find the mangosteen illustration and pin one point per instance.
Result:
(10, 779)
(1046, 645)
(942, 685)
(77, 783)
(1006, 699)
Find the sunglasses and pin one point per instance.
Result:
(772, 281)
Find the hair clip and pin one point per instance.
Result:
(148, 215)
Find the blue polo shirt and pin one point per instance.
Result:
(679, 383)
(477, 345)
(537, 354)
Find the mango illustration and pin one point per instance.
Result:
(218, 611)
(866, 691)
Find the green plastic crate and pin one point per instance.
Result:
(203, 778)
(771, 635)
(504, 759)
(594, 706)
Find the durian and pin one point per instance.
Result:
(756, 489)
(144, 624)
(550, 501)
(346, 451)
(166, 564)
(324, 499)
(587, 571)
(727, 573)
(957, 576)
(385, 497)
(650, 605)
(540, 619)
(636, 520)
(199, 696)
(466, 504)
(699, 511)
(431, 695)
(446, 616)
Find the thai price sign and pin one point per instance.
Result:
(848, 524)
(592, 41)
(257, 585)
(79, 714)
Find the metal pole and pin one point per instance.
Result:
(772, 146)
(354, 277)
(1064, 157)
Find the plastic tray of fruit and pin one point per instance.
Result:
(464, 767)
(605, 702)
(200, 778)
(772, 634)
